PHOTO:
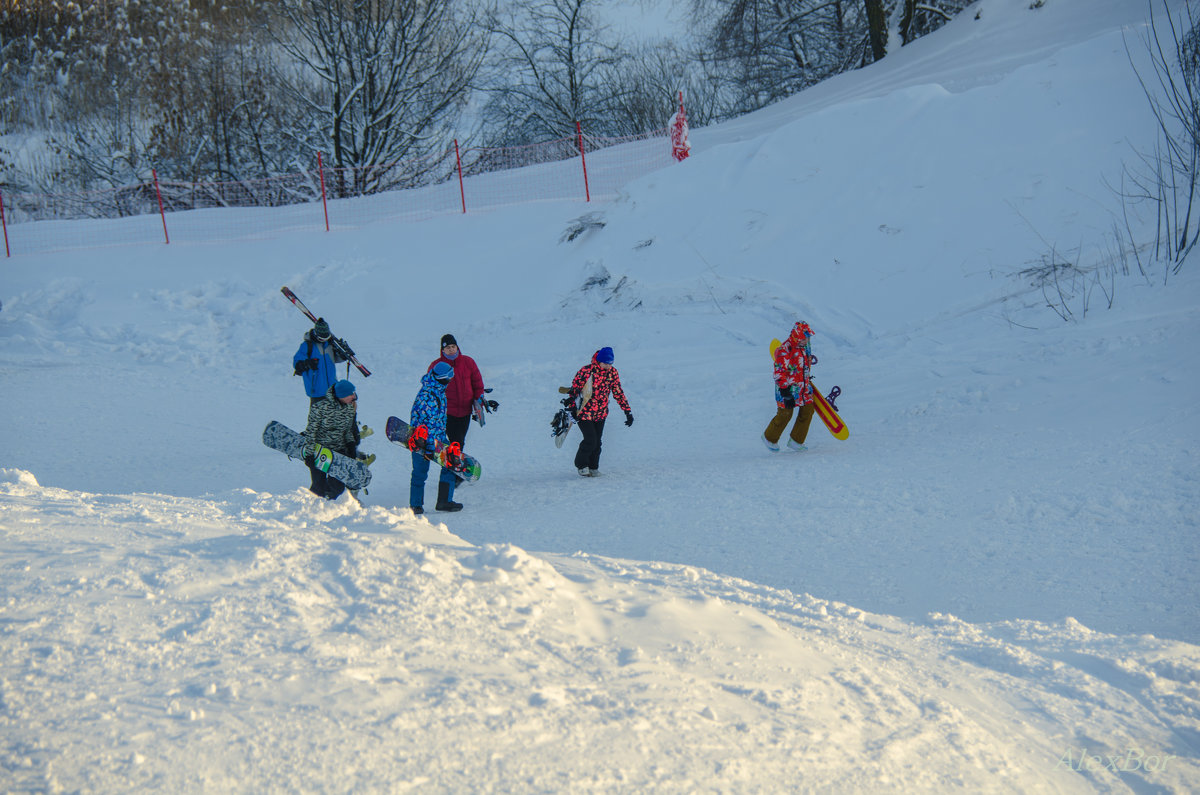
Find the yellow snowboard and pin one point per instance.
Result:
(825, 411)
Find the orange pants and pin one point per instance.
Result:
(799, 431)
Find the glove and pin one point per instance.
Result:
(305, 364)
(569, 402)
(628, 419)
(491, 405)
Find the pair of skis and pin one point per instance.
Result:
(338, 344)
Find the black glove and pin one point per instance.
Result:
(628, 419)
(789, 401)
(569, 402)
(305, 364)
(491, 405)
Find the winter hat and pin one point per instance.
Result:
(604, 356)
(321, 330)
(801, 330)
(448, 339)
(343, 388)
(442, 372)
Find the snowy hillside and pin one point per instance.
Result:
(990, 586)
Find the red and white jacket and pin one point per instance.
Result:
(793, 361)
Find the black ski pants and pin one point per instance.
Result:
(324, 485)
(456, 428)
(588, 454)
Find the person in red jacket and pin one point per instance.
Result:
(793, 389)
(592, 386)
(465, 388)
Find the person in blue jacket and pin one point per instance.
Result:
(316, 361)
(429, 409)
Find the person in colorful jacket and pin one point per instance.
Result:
(316, 361)
(464, 389)
(592, 385)
(793, 389)
(332, 423)
(429, 409)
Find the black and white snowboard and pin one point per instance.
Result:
(353, 472)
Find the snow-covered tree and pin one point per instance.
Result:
(381, 80)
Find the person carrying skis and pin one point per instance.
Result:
(429, 409)
(593, 384)
(464, 389)
(332, 423)
(316, 361)
(793, 389)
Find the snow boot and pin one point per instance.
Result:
(585, 472)
(444, 503)
(794, 445)
(772, 446)
(417, 510)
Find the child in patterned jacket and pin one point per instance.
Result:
(429, 409)
(793, 389)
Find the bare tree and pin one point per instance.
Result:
(391, 78)
(877, 33)
(1169, 177)
(764, 50)
(651, 79)
(553, 68)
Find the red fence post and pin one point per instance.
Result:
(587, 194)
(324, 204)
(4, 224)
(158, 193)
(458, 162)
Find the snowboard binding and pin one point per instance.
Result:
(418, 440)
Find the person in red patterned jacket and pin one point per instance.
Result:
(793, 389)
(592, 385)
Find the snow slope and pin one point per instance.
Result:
(990, 586)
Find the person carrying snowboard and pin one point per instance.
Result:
(316, 361)
(429, 409)
(592, 386)
(332, 423)
(793, 389)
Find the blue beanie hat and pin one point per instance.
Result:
(343, 389)
(442, 372)
(604, 356)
